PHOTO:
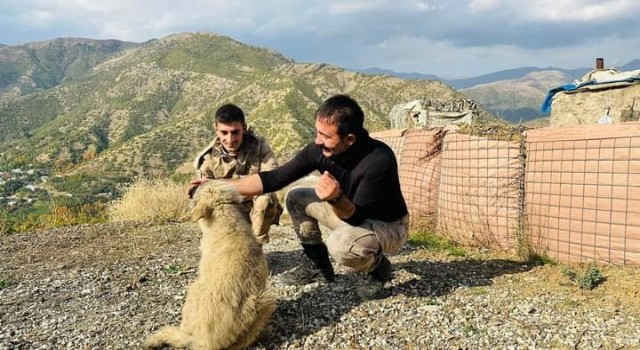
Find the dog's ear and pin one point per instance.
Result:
(200, 208)
(210, 195)
(203, 201)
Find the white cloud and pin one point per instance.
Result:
(579, 11)
(37, 18)
(550, 11)
(444, 37)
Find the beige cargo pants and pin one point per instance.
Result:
(263, 211)
(352, 246)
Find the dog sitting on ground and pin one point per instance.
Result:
(228, 304)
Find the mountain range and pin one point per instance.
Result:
(126, 109)
(106, 106)
(513, 94)
(79, 117)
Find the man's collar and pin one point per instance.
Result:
(355, 152)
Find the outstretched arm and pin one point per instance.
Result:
(247, 186)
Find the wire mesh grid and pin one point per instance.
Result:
(420, 173)
(394, 139)
(479, 191)
(570, 193)
(583, 198)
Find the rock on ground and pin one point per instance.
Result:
(109, 286)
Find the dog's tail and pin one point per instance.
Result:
(169, 336)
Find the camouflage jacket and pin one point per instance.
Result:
(254, 155)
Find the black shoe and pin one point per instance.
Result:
(316, 267)
(382, 272)
(373, 288)
(302, 274)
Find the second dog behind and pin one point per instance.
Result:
(228, 304)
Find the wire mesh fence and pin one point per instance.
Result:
(570, 193)
(479, 191)
(420, 173)
(583, 193)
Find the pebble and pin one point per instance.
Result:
(89, 301)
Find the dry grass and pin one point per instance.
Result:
(151, 200)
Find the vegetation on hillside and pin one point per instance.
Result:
(151, 200)
(126, 111)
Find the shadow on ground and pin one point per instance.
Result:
(432, 279)
(280, 262)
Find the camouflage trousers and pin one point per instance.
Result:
(263, 211)
(352, 246)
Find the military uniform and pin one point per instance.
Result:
(254, 155)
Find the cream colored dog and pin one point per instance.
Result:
(228, 304)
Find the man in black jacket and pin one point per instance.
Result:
(357, 197)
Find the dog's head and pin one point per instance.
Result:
(210, 195)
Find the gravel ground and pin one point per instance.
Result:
(109, 286)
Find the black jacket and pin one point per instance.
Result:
(367, 173)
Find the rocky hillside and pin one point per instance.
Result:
(145, 109)
(42, 65)
(517, 99)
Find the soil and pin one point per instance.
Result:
(99, 286)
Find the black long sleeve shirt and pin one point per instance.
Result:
(367, 172)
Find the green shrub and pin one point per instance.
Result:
(541, 260)
(173, 269)
(5, 282)
(588, 277)
(434, 242)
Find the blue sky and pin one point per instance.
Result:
(452, 39)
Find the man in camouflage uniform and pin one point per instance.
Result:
(234, 153)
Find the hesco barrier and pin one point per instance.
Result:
(418, 155)
(572, 193)
(420, 173)
(479, 191)
(583, 192)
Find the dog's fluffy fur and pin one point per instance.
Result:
(228, 304)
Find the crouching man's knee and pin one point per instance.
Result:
(353, 247)
(298, 198)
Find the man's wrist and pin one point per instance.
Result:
(336, 200)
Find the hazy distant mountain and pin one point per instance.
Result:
(517, 99)
(141, 109)
(633, 65)
(513, 94)
(399, 74)
(509, 74)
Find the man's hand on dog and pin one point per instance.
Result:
(193, 186)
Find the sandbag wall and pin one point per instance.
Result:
(571, 193)
(479, 193)
(418, 154)
(583, 193)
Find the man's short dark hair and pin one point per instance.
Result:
(342, 111)
(229, 113)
